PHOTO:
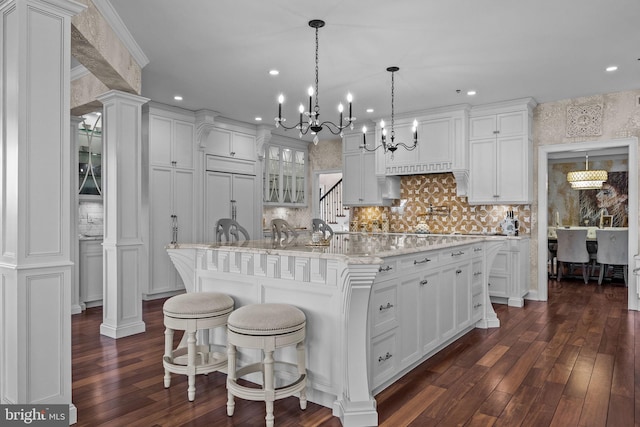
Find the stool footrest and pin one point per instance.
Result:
(205, 362)
(251, 393)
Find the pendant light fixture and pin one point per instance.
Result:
(587, 179)
(310, 120)
(392, 145)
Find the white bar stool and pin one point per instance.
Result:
(266, 327)
(191, 312)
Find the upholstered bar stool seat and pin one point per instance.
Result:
(191, 312)
(266, 327)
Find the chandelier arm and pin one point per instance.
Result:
(407, 147)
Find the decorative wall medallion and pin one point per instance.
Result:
(584, 120)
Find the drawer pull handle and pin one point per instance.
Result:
(635, 270)
(387, 268)
(423, 282)
(458, 271)
(477, 273)
(386, 307)
(477, 249)
(457, 253)
(415, 261)
(477, 305)
(385, 357)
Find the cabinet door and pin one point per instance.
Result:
(512, 169)
(482, 180)
(245, 203)
(160, 136)
(369, 182)
(463, 295)
(218, 143)
(447, 298)
(183, 186)
(91, 271)
(163, 273)
(183, 143)
(244, 146)
(410, 309)
(429, 311)
(482, 127)
(218, 196)
(352, 179)
(511, 124)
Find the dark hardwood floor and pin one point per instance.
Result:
(567, 362)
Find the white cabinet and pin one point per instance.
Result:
(441, 143)
(420, 302)
(229, 195)
(285, 174)
(509, 276)
(90, 260)
(230, 143)
(500, 151)
(361, 185)
(169, 150)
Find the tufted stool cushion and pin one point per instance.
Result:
(197, 304)
(266, 319)
(190, 313)
(266, 327)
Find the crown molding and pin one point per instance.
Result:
(79, 71)
(113, 19)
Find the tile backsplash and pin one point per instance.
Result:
(90, 218)
(432, 198)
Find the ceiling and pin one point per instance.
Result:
(217, 54)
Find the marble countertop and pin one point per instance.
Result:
(352, 245)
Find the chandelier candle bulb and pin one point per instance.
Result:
(280, 101)
(349, 100)
(415, 129)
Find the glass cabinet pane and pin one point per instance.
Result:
(299, 173)
(287, 175)
(273, 181)
(90, 155)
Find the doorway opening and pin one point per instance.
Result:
(626, 146)
(327, 199)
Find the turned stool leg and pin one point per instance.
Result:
(191, 364)
(168, 354)
(302, 370)
(269, 388)
(231, 376)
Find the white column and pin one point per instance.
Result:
(124, 254)
(76, 307)
(35, 202)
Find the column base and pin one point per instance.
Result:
(122, 331)
(356, 414)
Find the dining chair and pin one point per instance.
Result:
(230, 230)
(572, 249)
(613, 250)
(282, 229)
(320, 225)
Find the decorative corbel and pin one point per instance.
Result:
(205, 122)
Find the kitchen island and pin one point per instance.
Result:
(377, 305)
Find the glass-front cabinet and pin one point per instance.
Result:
(90, 156)
(285, 176)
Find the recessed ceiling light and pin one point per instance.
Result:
(612, 68)
(274, 72)
(369, 110)
(258, 119)
(471, 92)
(177, 98)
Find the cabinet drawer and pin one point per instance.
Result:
(383, 357)
(477, 276)
(421, 261)
(388, 269)
(457, 254)
(477, 307)
(498, 285)
(384, 307)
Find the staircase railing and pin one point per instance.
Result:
(331, 207)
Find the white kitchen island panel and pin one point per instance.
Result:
(333, 286)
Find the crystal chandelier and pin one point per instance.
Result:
(587, 179)
(392, 145)
(310, 120)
